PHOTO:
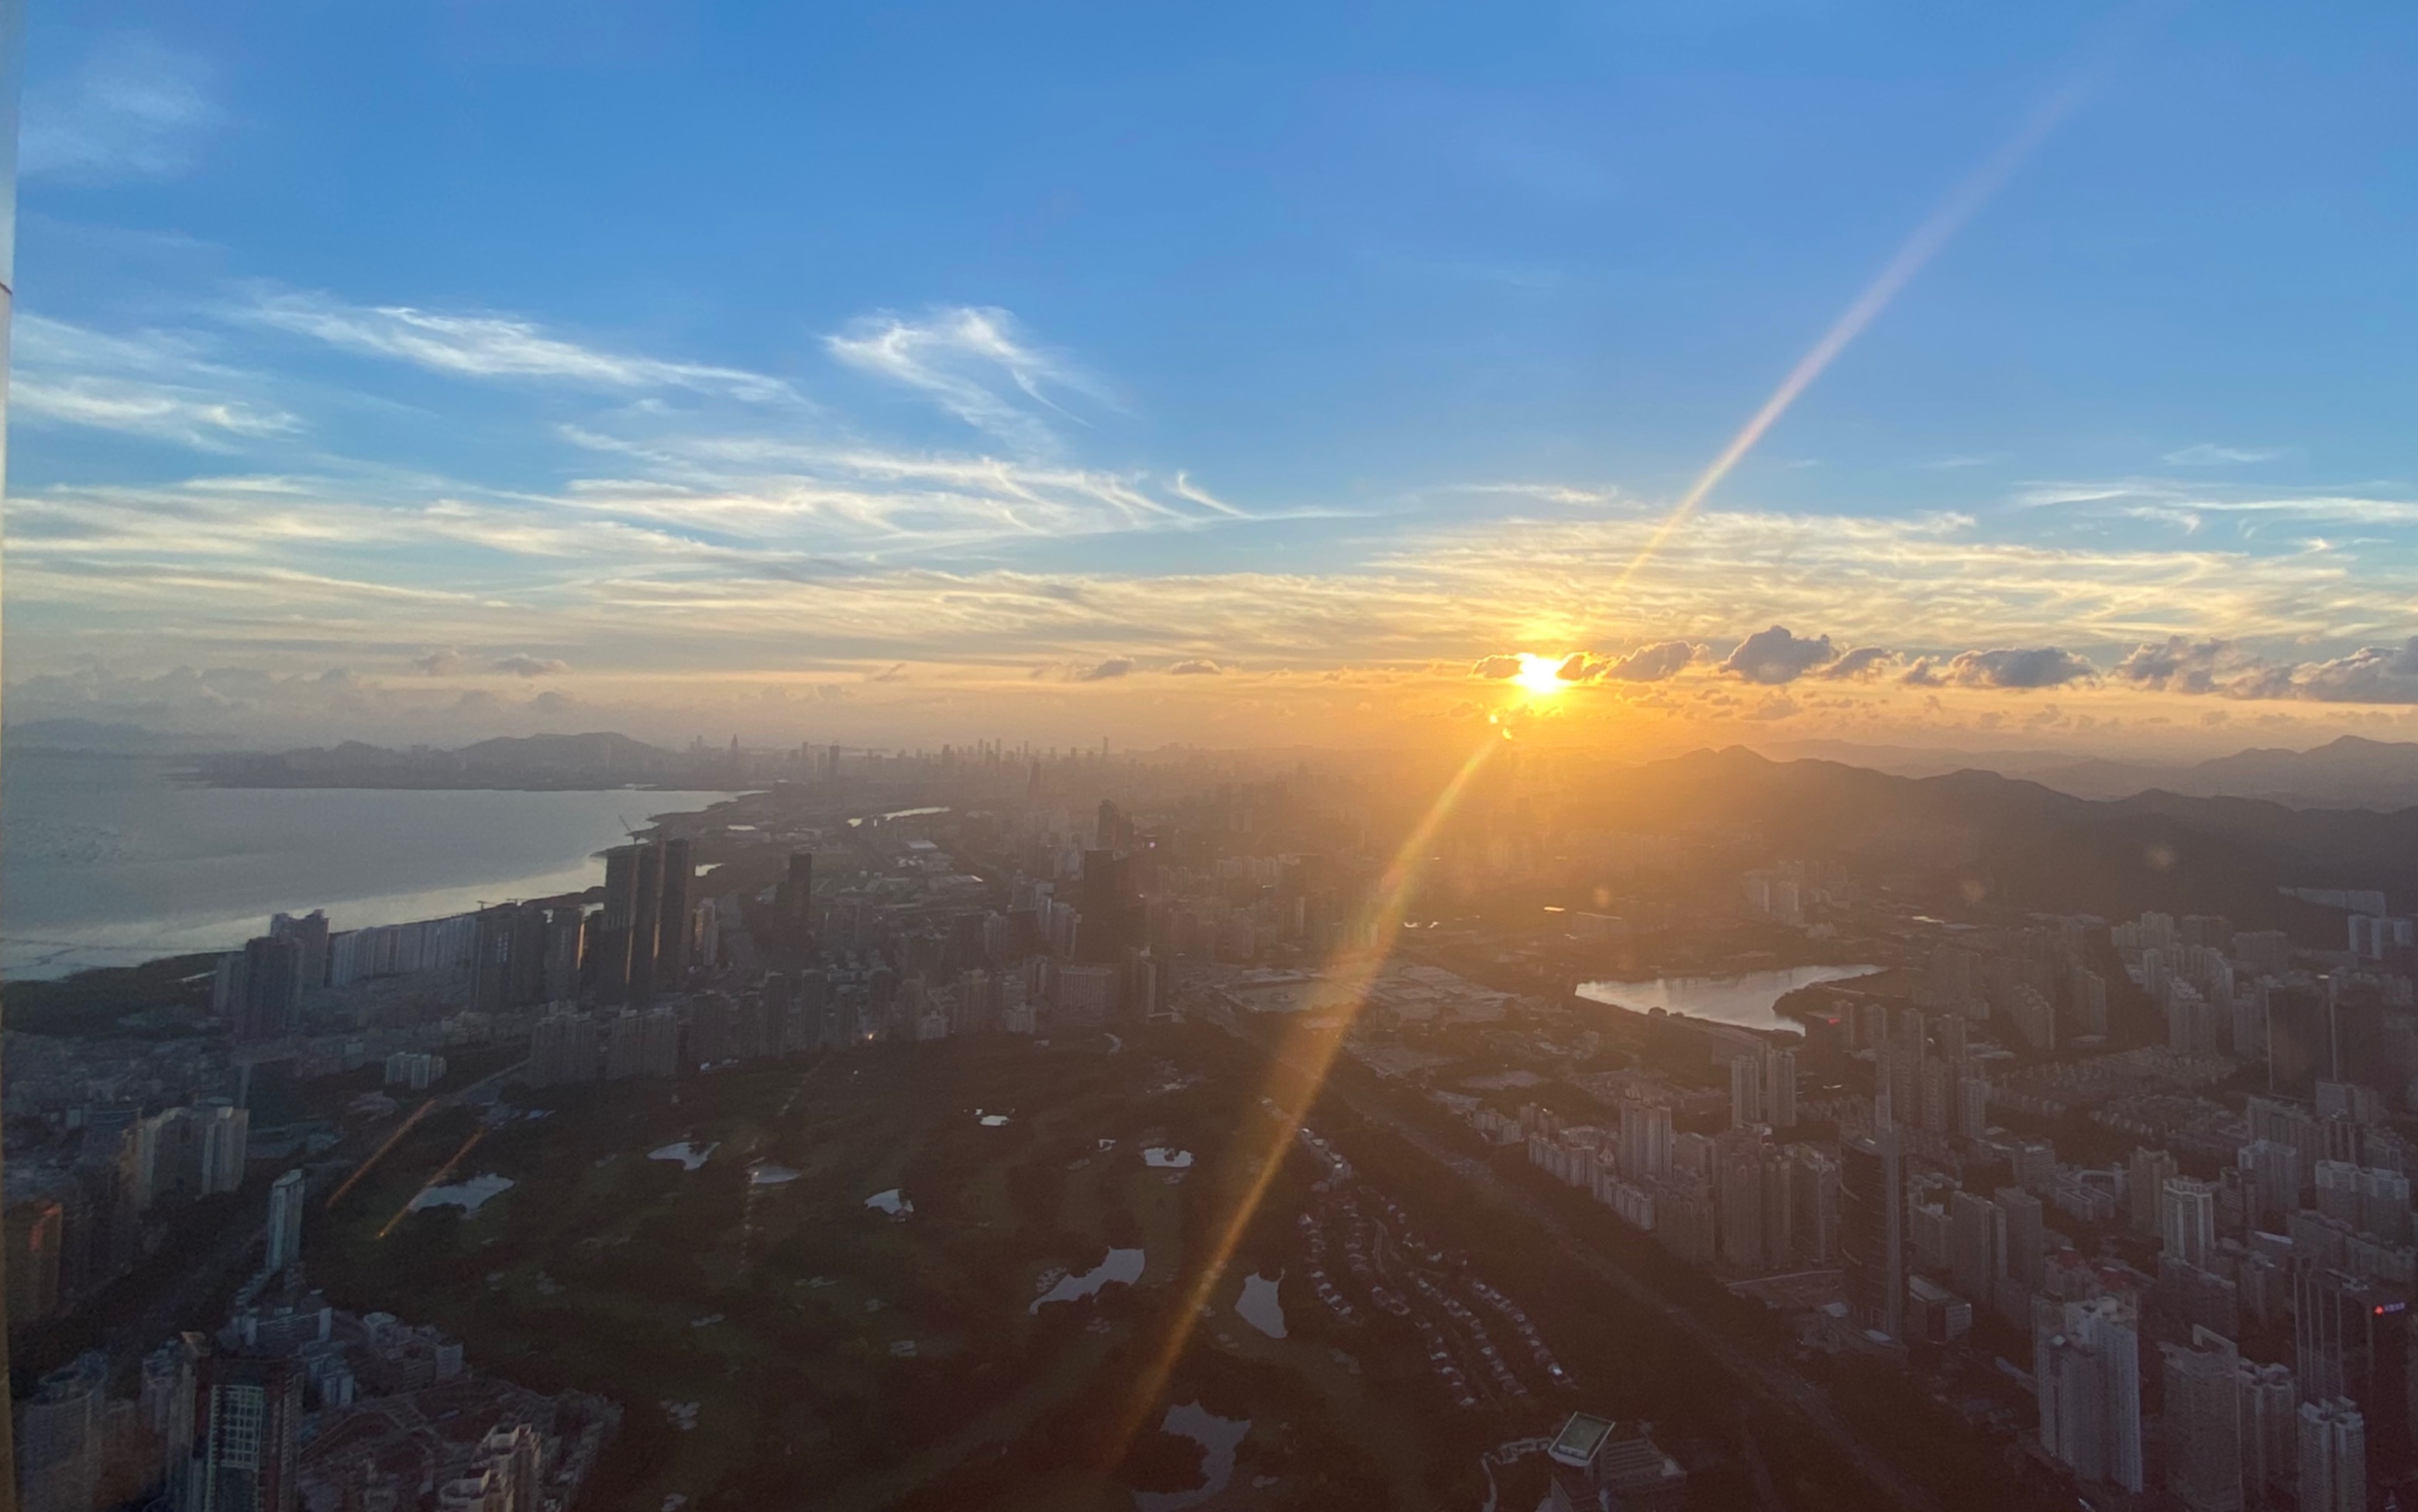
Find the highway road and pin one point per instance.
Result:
(1774, 1383)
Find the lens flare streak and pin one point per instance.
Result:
(1962, 203)
(442, 1171)
(1302, 1056)
(379, 1154)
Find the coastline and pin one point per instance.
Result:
(114, 864)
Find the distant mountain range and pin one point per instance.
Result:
(601, 760)
(93, 737)
(2349, 772)
(1981, 838)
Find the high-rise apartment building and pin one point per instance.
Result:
(566, 931)
(2270, 1431)
(1644, 1140)
(2086, 1364)
(2203, 1421)
(2333, 1457)
(34, 1227)
(2146, 1174)
(309, 933)
(2023, 1224)
(1746, 1091)
(2187, 1221)
(1740, 1186)
(286, 1197)
(260, 991)
(60, 1446)
(1780, 1088)
(1813, 1206)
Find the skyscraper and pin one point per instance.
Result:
(285, 1199)
(1107, 909)
(1871, 1231)
(793, 908)
(646, 918)
(2351, 1340)
(269, 991)
(1977, 1245)
(248, 1420)
(610, 937)
(671, 915)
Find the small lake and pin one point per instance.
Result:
(468, 1195)
(1259, 1306)
(1745, 1001)
(1218, 1437)
(690, 1155)
(1122, 1266)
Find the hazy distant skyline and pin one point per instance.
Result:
(899, 373)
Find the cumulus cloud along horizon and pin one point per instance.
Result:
(1777, 655)
(2013, 668)
(2371, 674)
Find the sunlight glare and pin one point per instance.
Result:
(1540, 676)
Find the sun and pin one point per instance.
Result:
(1541, 675)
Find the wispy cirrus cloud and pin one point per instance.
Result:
(492, 346)
(153, 384)
(976, 364)
(135, 108)
(2208, 455)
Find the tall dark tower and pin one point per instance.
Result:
(611, 941)
(1102, 931)
(1872, 1240)
(671, 916)
(793, 908)
(646, 917)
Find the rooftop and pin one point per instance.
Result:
(1580, 1439)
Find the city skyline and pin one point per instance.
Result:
(1023, 393)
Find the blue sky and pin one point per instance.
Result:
(505, 361)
